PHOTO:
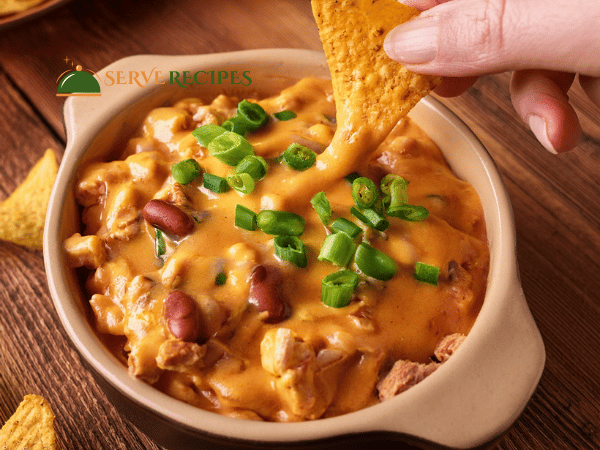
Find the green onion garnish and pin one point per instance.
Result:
(386, 183)
(411, 213)
(253, 165)
(221, 279)
(322, 207)
(245, 218)
(344, 225)
(159, 244)
(398, 192)
(374, 262)
(280, 222)
(235, 124)
(426, 273)
(364, 192)
(215, 183)
(252, 114)
(337, 288)
(371, 218)
(338, 248)
(186, 171)
(351, 177)
(241, 182)
(207, 133)
(299, 157)
(285, 115)
(291, 248)
(230, 148)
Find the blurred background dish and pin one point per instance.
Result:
(30, 12)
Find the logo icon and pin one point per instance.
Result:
(77, 82)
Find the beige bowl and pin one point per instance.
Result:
(469, 401)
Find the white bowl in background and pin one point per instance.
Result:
(468, 402)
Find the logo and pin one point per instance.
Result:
(77, 82)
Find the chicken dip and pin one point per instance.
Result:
(225, 271)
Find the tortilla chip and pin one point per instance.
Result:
(15, 6)
(31, 427)
(365, 80)
(22, 215)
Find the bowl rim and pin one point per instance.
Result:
(410, 413)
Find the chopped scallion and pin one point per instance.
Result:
(374, 262)
(351, 177)
(426, 273)
(252, 114)
(411, 213)
(186, 171)
(299, 157)
(241, 182)
(364, 192)
(338, 248)
(230, 148)
(206, 133)
(371, 218)
(215, 183)
(235, 124)
(160, 246)
(344, 225)
(291, 248)
(280, 222)
(337, 288)
(245, 218)
(398, 192)
(221, 279)
(322, 207)
(253, 165)
(285, 115)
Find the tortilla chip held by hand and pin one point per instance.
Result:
(22, 215)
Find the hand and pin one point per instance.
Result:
(546, 43)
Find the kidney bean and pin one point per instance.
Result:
(168, 218)
(182, 316)
(265, 293)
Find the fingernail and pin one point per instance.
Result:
(540, 129)
(413, 42)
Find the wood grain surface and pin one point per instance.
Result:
(555, 200)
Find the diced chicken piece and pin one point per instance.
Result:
(142, 357)
(448, 346)
(92, 186)
(281, 350)
(109, 316)
(177, 355)
(85, 251)
(404, 375)
(206, 115)
(163, 123)
(225, 105)
(172, 192)
(122, 215)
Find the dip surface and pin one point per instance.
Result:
(314, 361)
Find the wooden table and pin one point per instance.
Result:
(555, 200)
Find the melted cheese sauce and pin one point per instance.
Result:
(344, 350)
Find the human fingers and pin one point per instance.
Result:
(474, 37)
(540, 98)
(452, 87)
(591, 86)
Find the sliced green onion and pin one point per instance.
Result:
(245, 218)
(351, 177)
(364, 192)
(221, 279)
(252, 114)
(374, 262)
(207, 133)
(426, 273)
(291, 248)
(159, 244)
(253, 165)
(230, 148)
(344, 225)
(411, 213)
(285, 115)
(215, 183)
(338, 248)
(299, 157)
(398, 192)
(337, 288)
(322, 207)
(386, 182)
(371, 218)
(235, 124)
(186, 171)
(241, 182)
(280, 222)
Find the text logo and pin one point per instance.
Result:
(77, 82)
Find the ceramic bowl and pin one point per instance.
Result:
(468, 402)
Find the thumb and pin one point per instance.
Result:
(474, 37)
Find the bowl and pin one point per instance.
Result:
(468, 402)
